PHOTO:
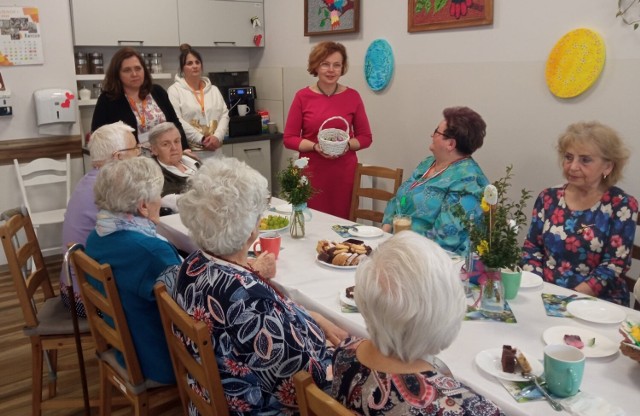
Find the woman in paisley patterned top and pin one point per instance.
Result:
(260, 337)
(582, 232)
(415, 283)
(443, 181)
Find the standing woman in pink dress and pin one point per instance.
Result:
(331, 176)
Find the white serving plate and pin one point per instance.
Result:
(530, 280)
(600, 312)
(491, 361)
(602, 347)
(365, 231)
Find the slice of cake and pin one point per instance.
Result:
(523, 363)
(508, 359)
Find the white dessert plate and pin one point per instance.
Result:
(600, 312)
(333, 266)
(284, 208)
(275, 229)
(530, 280)
(491, 361)
(365, 231)
(602, 346)
(344, 299)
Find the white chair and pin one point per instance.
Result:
(41, 174)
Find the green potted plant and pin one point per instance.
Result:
(494, 237)
(296, 189)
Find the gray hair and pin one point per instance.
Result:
(122, 184)
(410, 296)
(222, 206)
(108, 139)
(158, 130)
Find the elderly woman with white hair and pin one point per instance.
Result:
(110, 142)
(166, 147)
(412, 301)
(128, 195)
(260, 337)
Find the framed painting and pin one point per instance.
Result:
(447, 14)
(330, 17)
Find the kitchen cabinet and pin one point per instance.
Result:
(223, 23)
(256, 154)
(124, 23)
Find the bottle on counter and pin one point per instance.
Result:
(82, 67)
(156, 63)
(96, 63)
(96, 90)
(84, 93)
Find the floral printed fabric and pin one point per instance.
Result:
(259, 338)
(370, 392)
(568, 247)
(431, 204)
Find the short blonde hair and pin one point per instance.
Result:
(410, 296)
(604, 139)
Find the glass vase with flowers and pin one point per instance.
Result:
(296, 189)
(494, 237)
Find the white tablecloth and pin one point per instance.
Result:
(615, 378)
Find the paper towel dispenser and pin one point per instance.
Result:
(55, 106)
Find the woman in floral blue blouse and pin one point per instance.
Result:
(582, 232)
(260, 337)
(443, 181)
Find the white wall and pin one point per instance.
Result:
(497, 70)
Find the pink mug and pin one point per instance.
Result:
(269, 242)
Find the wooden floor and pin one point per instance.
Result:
(15, 359)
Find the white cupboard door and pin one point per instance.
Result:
(219, 22)
(257, 155)
(124, 22)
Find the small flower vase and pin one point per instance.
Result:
(491, 293)
(296, 223)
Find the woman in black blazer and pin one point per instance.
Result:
(129, 95)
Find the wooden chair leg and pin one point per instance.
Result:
(106, 390)
(36, 377)
(52, 374)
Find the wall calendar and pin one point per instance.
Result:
(20, 38)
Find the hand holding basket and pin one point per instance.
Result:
(333, 141)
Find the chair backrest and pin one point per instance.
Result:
(104, 310)
(26, 263)
(376, 172)
(312, 401)
(632, 283)
(43, 171)
(205, 371)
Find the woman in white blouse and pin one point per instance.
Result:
(198, 104)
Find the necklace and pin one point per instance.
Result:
(428, 174)
(324, 93)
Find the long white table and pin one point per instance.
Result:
(615, 378)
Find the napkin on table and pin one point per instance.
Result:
(586, 404)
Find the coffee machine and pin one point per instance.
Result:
(242, 96)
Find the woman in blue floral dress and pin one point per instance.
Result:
(582, 232)
(260, 337)
(448, 179)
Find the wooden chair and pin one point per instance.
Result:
(631, 283)
(141, 393)
(204, 371)
(37, 175)
(313, 401)
(48, 323)
(376, 172)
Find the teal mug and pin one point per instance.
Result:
(563, 369)
(511, 282)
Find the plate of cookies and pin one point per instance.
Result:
(508, 363)
(345, 255)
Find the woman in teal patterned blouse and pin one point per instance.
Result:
(440, 182)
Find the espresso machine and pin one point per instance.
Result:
(248, 124)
